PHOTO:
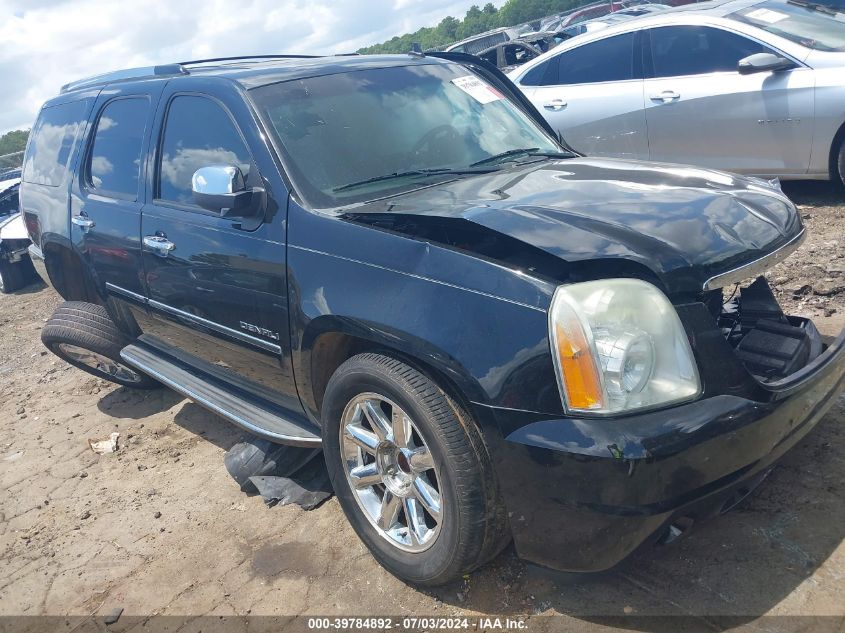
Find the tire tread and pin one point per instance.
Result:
(487, 531)
(89, 326)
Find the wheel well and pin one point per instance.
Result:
(332, 349)
(69, 275)
(833, 165)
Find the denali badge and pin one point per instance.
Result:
(249, 327)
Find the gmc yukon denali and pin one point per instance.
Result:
(394, 258)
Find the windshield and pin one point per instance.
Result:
(811, 25)
(367, 134)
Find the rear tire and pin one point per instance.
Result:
(84, 335)
(838, 175)
(11, 276)
(458, 521)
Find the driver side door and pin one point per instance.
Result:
(216, 286)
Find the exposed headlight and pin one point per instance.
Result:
(618, 346)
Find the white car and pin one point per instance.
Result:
(15, 266)
(749, 86)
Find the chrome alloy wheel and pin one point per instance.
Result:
(100, 363)
(391, 472)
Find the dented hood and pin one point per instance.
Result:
(686, 225)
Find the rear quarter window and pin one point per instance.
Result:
(53, 140)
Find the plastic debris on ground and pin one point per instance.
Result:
(104, 445)
(113, 616)
(280, 474)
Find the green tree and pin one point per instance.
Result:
(448, 27)
(14, 141)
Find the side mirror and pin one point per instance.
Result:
(222, 189)
(763, 63)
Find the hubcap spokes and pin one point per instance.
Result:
(391, 472)
(100, 362)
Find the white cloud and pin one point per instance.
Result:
(47, 43)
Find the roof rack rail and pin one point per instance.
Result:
(163, 70)
(121, 75)
(195, 62)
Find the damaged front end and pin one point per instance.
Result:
(746, 345)
(647, 476)
(770, 344)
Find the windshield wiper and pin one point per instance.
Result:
(410, 173)
(524, 151)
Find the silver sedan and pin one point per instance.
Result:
(750, 86)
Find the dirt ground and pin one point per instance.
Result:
(160, 528)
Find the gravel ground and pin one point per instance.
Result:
(159, 527)
(812, 281)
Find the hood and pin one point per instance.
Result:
(684, 224)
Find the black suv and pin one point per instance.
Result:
(393, 258)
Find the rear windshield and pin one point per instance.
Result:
(810, 25)
(53, 139)
(350, 127)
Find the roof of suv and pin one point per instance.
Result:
(252, 72)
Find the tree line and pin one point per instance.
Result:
(14, 141)
(476, 20)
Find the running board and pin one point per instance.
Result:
(257, 419)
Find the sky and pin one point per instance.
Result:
(47, 43)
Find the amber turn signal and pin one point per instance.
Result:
(581, 381)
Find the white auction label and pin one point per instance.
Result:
(766, 15)
(477, 89)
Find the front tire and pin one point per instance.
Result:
(84, 335)
(410, 471)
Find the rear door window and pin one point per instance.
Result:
(536, 75)
(610, 59)
(679, 51)
(53, 139)
(198, 133)
(114, 164)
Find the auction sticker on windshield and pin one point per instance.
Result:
(766, 15)
(477, 89)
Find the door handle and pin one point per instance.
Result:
(159, 244)
(555, 104)
(82, 221)
(667, 96)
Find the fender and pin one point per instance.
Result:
(333, 266)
